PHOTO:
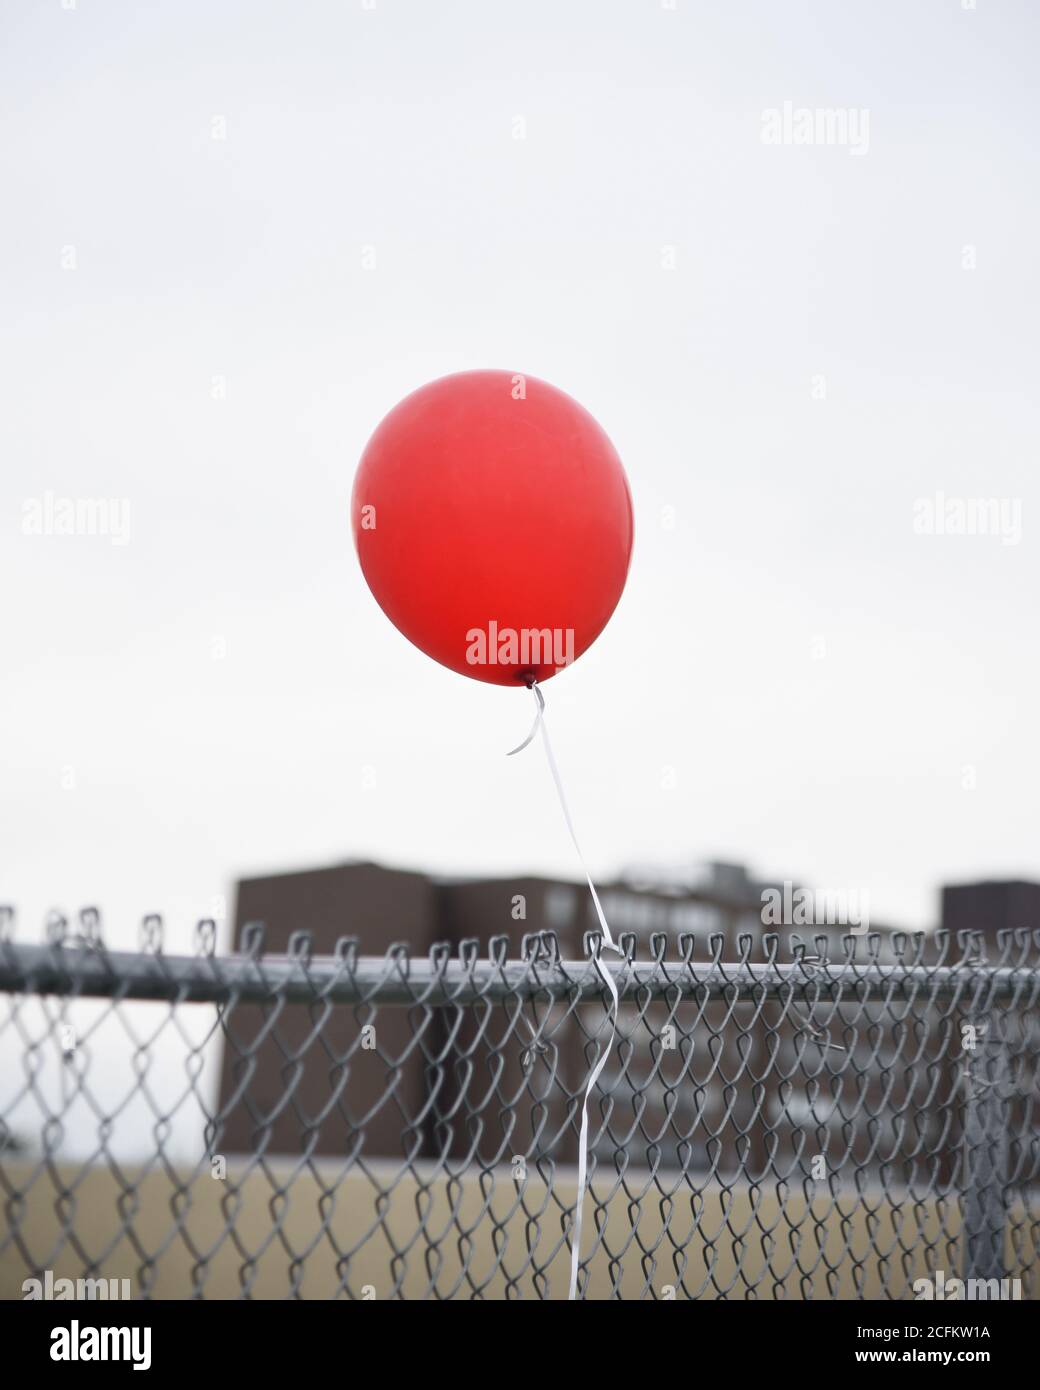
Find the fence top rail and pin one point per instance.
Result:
(82, 966)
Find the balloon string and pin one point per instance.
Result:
(609, 944)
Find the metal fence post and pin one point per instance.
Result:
(985, 1152)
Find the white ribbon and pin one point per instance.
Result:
(609, 944)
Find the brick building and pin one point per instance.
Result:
(463, 1084)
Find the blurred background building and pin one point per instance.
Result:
(756, 1100)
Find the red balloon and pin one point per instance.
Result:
(493, 522)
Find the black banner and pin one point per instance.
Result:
(200, 1337)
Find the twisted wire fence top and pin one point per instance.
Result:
(824, 1117)
(874, 966)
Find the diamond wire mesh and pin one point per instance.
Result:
(836, 1119)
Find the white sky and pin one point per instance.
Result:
(393, 128)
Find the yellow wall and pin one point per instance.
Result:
(740, 1240)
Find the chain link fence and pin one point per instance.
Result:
(836, 1118)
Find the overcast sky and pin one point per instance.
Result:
(234, 235)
